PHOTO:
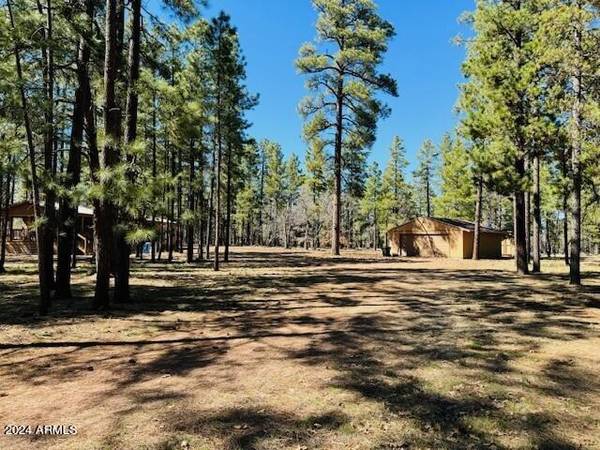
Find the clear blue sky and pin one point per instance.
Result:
(422, 58)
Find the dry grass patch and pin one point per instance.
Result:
(292, 349)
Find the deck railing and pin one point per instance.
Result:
(83, 243)
(22, 234)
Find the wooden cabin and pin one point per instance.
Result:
(444, 238)
(21, 238)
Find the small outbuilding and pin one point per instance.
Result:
(444, 238)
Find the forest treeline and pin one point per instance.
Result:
(104, 104)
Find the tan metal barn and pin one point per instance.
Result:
(443, 238)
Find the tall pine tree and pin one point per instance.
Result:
(342, 75)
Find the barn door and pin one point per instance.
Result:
(427, 246)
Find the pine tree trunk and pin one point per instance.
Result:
(217, 205)
(123, 249)
(102, 234)
(565, 228)
(284, 230)
(337, 188)
(154, 173)
(201, 206)
(521, 210)
(548, 237)
(575, 166)
(179, 229)
(47, 226)
(228, 212)
(161, 237)
(478, 209)
(67, 235)
(565, 206)
(3, 221)
(428, 194)
(4, 205)
(537, 216)
(170, 231)
(171, 213)
(192, 207)
(306, 233)
(520, 233)
(210, 207)
(246, 233)
(45, 287)
(104, 217)
(528, 225)
(202, 229)
(217, 168)
(528, 216)
(261, 199)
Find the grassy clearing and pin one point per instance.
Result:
(301, 350)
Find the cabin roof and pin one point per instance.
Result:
(25, 209)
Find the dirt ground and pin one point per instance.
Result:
(297, 350)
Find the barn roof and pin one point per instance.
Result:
(466, 225)
(457, 223)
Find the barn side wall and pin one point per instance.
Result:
(508, 247)
(490, 245)
(426, 237)
(394, 243)
(468, 238)
(456, 243)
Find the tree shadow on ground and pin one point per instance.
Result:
(377, 328)
(381, 368)
(246, 428)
